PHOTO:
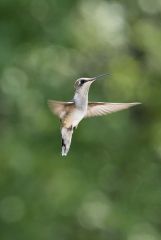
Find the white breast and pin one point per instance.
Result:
(78, 115)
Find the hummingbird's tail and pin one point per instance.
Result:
(66, 134)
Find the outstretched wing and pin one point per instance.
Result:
(60, 108)
(102, 108)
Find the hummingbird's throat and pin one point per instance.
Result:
(81, 100)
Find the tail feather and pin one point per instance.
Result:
(66, 140)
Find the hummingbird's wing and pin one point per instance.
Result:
(60, 108)
(102, 108)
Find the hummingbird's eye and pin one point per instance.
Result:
(82, 82)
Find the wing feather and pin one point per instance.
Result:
(60, 108)
(102, 108)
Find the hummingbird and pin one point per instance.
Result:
(72, 112)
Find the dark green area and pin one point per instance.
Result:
(109, 186)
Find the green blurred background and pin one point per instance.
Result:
(109, 186)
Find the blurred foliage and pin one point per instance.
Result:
(109, 185)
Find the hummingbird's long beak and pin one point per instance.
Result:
(99, 76)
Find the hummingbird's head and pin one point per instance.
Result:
(83, 84)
